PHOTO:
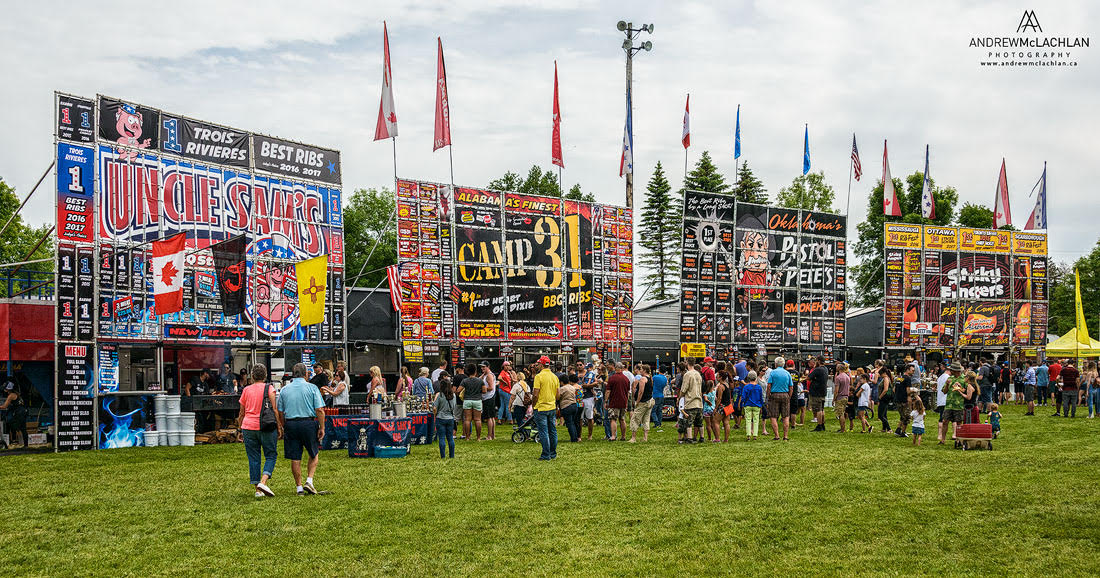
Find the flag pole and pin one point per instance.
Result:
(851, 167)
(560, 186)
(394, 139)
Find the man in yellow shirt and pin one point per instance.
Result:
(545, 394)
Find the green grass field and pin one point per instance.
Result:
(820, 504)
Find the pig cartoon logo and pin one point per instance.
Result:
(128, 123)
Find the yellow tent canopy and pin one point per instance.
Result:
(1067, 346)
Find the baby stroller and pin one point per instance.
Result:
(525, 431)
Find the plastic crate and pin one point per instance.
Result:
(390, 451)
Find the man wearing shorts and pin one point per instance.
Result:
(953, 406)
(691, 391)
(303, 412)
(488, 401)
(779, 399)
(941, 401)
(618, 388)
(1031, 378)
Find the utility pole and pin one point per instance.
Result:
(628, 47)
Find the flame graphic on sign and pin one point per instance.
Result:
(121, 435)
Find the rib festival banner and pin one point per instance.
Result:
(960, 287)
(754, 274)
(480, 265)
(148, 175)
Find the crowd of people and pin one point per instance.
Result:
(712, 399)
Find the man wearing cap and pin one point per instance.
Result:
(779, 398)
(504, 391)
(707, 371)
(953, 407)
(303, 413)
(545, 394)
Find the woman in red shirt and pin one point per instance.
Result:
(253, 436)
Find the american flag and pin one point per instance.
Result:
(393, 274)
(855, 158)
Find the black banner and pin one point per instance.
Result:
(75, 119)
(75, 401)
(66, 292)
(296, 160)
(203, 141)
(229, 266)
(129, 125)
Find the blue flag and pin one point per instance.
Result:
(737, 136)
(806, 152)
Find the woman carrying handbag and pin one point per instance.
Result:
(261, 428)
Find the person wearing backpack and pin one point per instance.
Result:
(445, 407)
(260, 429)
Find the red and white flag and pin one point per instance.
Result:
(890, 204)
(442, 110)
(857, 168)
(393, 274)
(555, 145)
(167, 272)
(686, 138)
(387, 118)
(1002, 214)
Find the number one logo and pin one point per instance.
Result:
(171, 141)
(65, 116)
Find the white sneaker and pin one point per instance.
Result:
(259, 494)
(308, 486)
(264, 490)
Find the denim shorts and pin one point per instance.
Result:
(862, 408)
(917, 431)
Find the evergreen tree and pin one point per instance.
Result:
(705, 177)
(869, 249)
(538, 182)
(575, 194)
(809, 191)
(659, 235)
(748, 188)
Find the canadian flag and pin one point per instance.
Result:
(167, 272)
(387, 118)
(687, 123)
(1002, 214)
(890, 205)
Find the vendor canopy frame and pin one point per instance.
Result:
(482, 265)
(959, 287)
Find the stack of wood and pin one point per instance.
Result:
(221, 436)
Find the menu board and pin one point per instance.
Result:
(75, 397)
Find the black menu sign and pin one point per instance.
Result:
(75, 401)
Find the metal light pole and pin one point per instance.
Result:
(628, 47)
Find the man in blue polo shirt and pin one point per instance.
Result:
(779, 398)
(303, 412)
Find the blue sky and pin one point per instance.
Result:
(312, 72)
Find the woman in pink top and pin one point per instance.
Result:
(254, 437)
